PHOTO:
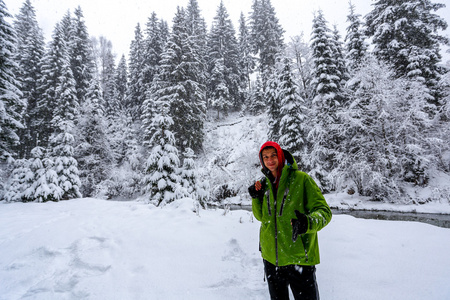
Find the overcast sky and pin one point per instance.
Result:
(117, 19)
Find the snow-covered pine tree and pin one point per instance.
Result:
(11, 101)
(51, 73)
(67, 30)
(325, 72)
(43, 182)
(246, 60)
(266, 36)
(338, 54)
(257, 103)
(180, 80)
(323, 135)
(153, 48)
(149, 111)
(18, 181)
(188, 176)
(121, 84)
(223, 64)
(30, 51)
(273, 107)
(356, 45)
(293, 116)
(161, 179)
(197, 35)
(93, 151)
(82, 62)
(64, 163)
(136, 90)
(107, 74)
(164, 31)
(220, 96)
(406, 35)
(61, 141)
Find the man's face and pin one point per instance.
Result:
(270, 159)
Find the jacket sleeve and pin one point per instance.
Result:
(319, 213)
(257, 208)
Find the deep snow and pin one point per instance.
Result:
(98, 249)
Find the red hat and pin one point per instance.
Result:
(280, 155)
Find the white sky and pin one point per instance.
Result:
(117, 19)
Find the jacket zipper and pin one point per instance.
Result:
(276, 229)
(268, 202)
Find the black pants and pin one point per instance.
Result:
(301, 279)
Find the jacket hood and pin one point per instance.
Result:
(280, 154)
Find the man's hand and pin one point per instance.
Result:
(255, 190)
(299, 225)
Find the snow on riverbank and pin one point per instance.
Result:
(97, 249)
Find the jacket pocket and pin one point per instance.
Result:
(286, 192)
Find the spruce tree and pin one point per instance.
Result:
(246, 59)
(93, 151)
(61, 141)
(55, 57)
(43, 184)
(121, 84)
(325, 72)
(136, 89)
(273, 108)
(406, 35)
(82, 63)
(339, 56)
(197, 36)
(18, 182)
(11, 101)
(108, 75)
(180, 81)
(29, 54)
(293, 115)
(355, 40)
(257, 103)
(266, 36)
(324, 117)
(188, 176)
(223, 67)
(160, 179)
(153, 48)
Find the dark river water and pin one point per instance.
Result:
(433, 219)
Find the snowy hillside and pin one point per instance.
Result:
(97, 249)
(230, 154)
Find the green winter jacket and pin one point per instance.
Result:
(296, 191)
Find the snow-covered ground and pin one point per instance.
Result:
(97, 249)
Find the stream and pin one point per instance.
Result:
(440, 220)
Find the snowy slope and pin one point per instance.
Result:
(230, 153)
(97, 249)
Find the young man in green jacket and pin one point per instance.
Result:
(292, 210)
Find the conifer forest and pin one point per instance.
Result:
(366, 111)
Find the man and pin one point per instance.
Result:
(292, 210)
